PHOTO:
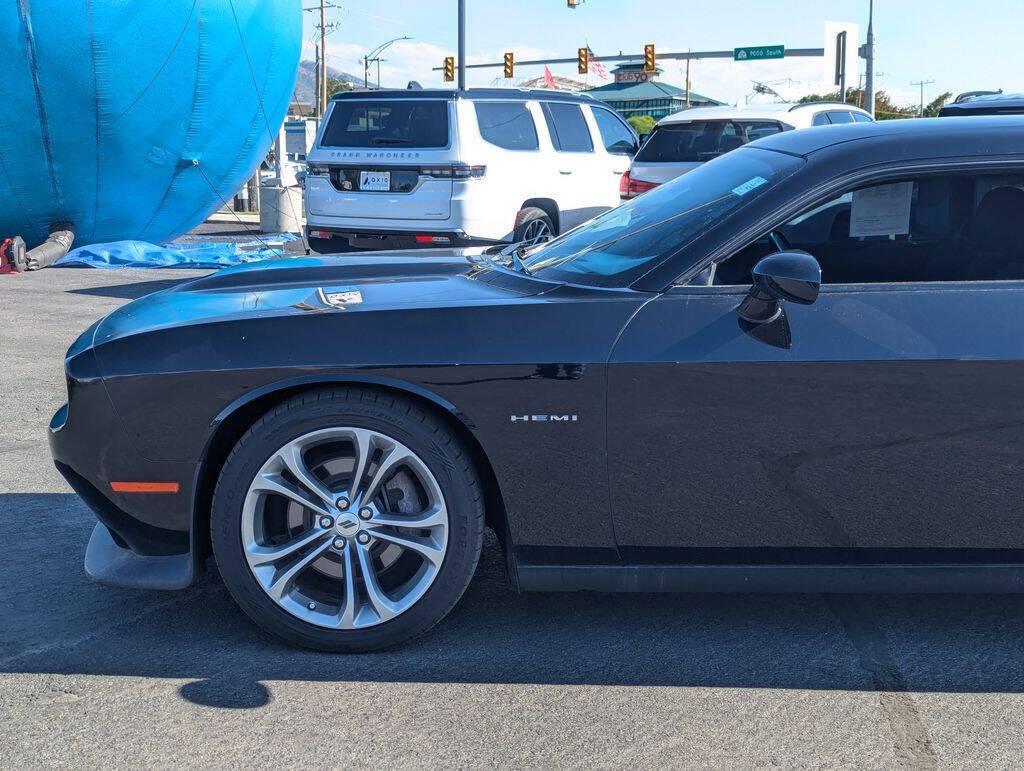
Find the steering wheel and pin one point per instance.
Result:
(779, 241)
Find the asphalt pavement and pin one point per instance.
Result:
(96, 676)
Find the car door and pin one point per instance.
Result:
(883, 423)
(574, 162)
(619, 144)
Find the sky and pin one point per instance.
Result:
(961, 46)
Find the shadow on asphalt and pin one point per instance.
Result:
(132, 290)
(61, 623)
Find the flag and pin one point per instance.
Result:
(549, 80)
(595, 64)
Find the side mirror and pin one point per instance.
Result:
(794, 276)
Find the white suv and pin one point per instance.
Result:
(401, 169)
(686, 139)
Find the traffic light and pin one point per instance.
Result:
(449, 69)
(510, 64)
(649, 59)
(583, 60)
(573, 3)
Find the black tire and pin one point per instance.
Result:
(328, 245)
(423, 433)
(530, 217)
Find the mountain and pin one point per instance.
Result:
(305, 83)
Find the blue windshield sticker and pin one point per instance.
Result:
(749, 185)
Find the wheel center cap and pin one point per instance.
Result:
(347, 524)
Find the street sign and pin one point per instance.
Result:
(758, 53)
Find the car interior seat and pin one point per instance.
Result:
(996, 235)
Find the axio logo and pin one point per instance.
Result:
(544, 418)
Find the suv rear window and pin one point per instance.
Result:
(507, 124)
(568, 128)
(702, 140)
(397, 123)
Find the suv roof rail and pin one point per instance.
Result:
(483, 92)
(821, 102)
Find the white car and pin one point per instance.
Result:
(686, 139)
(440, 167)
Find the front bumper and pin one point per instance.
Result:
(148, 532)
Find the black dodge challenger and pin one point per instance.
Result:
(798, 367)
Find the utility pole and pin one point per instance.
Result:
(316, 101)
(687, 83)
(869, 55)
(321, 96)
(922, 84)
(320, 99)
(462, 45)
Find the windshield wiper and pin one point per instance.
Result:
(390, 141)
(510, 257)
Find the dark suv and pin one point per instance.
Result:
(985, 103)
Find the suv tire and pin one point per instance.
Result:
(533, 224)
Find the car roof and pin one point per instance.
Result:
(985, 103)
(468, 93)
(775, 111)
(910, 138)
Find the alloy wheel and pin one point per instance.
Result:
(344, 528)
(536, 231)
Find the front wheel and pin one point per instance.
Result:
(347, 520)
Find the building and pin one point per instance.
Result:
(634, 92)
(561, 81)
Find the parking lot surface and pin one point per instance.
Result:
(91, 675)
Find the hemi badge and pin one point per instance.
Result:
(341, 297)
(144, 487)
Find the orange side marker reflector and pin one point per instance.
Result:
(144, 487)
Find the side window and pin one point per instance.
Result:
(840, 116)
(820, 119)
(860, 117)
(929, 228)
(756, 129)
(507, 124)
(616, 135)
(568, 128)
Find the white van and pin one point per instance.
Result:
(686, 139)
(401, 169)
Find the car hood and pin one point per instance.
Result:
(349, 284)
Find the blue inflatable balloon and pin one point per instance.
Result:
(135, 119)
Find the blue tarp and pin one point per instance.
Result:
(191, 252)
(137, 118)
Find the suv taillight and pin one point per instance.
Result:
(460, 171)
(631, 188)
(317, 170)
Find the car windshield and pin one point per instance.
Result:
(619, 246)
(696, 141)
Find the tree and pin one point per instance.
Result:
(642, 124)
(334, 85)
(885, 107)
(931, 110)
